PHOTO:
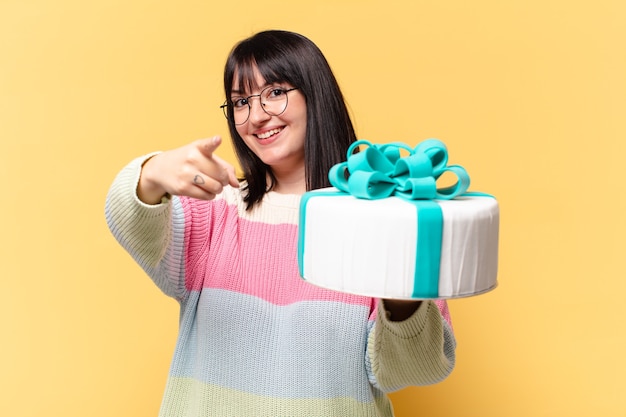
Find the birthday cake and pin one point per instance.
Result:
(386, 230)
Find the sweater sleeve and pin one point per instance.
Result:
(417, 351)
(148, 232)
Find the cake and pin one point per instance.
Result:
(385, 230)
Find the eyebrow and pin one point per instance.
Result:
(260, 87)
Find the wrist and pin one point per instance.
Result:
(148, 190)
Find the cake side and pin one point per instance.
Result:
(469, 253)
(369, 247)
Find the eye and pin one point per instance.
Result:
(275, 93)
(239, 102)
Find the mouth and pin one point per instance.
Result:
(269, 133)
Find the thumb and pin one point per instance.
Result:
(208, 146)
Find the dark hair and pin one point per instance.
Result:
(282, 56)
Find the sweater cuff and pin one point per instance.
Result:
(412, 326)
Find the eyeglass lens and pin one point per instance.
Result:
(273, 101)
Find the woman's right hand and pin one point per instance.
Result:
(192, 170)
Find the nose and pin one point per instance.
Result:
(257, 114)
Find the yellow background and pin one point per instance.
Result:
(529, 95)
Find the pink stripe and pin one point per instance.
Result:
(445, 312)
(248, 257)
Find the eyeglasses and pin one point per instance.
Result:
(273, 101)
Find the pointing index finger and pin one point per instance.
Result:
(208, 146)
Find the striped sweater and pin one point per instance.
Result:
(254, 338)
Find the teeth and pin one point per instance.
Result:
(267, 134)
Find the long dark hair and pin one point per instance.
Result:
(282, 56)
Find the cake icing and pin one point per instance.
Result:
(368, 247)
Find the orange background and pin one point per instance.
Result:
(529, 96)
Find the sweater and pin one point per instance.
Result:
(254, 338)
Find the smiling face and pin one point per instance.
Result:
(278, 141)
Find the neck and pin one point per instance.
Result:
(291, 181)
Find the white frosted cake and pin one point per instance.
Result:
(369, 247)
(385, 230)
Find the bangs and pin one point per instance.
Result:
(274, 64)
(244, 76)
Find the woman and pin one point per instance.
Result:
(255, 339)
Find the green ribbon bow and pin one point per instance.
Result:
(379, 171)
